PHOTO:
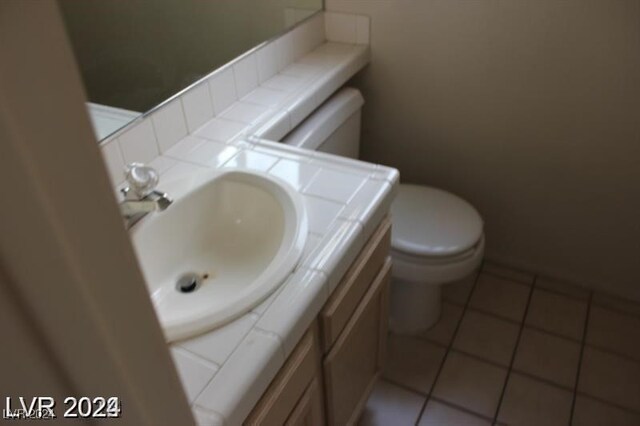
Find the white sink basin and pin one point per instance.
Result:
(238, 234)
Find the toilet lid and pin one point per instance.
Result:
(431, 222)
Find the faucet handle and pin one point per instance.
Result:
(142, 179)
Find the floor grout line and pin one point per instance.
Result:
(607, 402)
(584, 341)
(515, 350)
(460, 408)
(449, 347)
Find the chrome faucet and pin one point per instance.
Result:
(140, 196)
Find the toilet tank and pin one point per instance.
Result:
(334, 127)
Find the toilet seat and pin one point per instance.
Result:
(429, 222)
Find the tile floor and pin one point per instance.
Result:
(515, 349)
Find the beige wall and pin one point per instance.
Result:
(530, 109)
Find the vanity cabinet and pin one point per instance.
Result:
(328, 377)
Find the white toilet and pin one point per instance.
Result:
(437, 237)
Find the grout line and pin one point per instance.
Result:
(405, 387)
(460, 408)
(507, 278)
(584, 339)
(515, 350)
(449, 347)
(606, 402)
(616, 310)
(529, 326)
(608, 351)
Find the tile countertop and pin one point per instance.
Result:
(224, 372)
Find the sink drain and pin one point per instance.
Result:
(188, 283)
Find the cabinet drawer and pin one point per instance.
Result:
(280, 398)
(310, 409)
(354, 363)
(354, 285)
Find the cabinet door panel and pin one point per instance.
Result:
(354, 285)
(310, 408)
(354, 363)
(280, 398)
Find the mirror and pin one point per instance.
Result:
(135, 54)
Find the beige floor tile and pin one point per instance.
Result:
(590, 412)
(508, 273)
(617, 303)
(487, 337)
(557, 313)
(531, 402)
(610, 377)
(615, 331)
(500, 296)
(458, 291)
(443, 331)
(469, 383)
(391, 405)
(548, 357)
(563, 288)
(412, 362)
(439, 414)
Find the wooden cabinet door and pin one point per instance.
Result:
(289, 386)
(310, 408)
(355, 361)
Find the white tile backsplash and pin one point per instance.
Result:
(363, 31)
(197, 105)
(246, 74)
(139, 144)
(340, 27)
(222, 87)
(169, 124)
(269, 59)
(113, 160)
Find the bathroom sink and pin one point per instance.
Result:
(220, 249)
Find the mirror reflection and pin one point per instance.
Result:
(135, 54)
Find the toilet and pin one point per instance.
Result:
(437, 237)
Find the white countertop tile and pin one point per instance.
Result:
(217, 345)
(194, 373)
(321, 213)
(240, 382)
(296, 173)
(295, 308)
(221, 130)
(334, 185)
(252, 160)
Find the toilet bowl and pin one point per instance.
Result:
(437, 237)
